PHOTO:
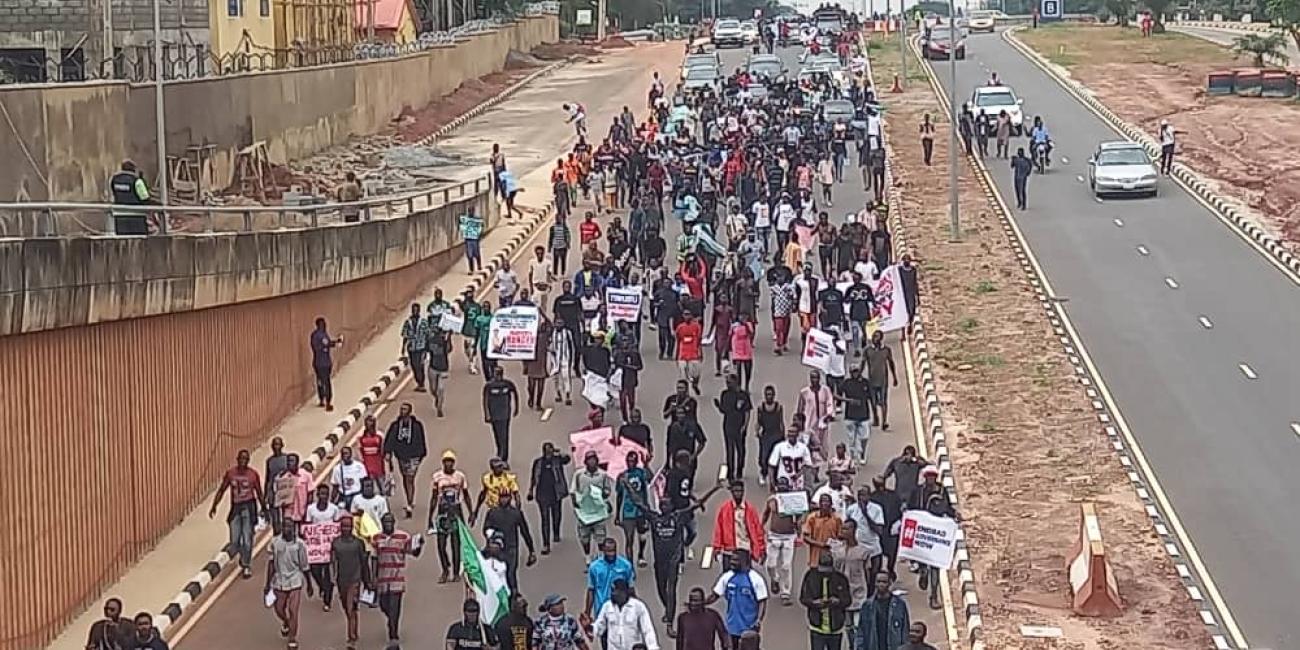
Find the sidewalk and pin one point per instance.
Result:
(191, 558)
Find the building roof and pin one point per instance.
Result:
(389, 14)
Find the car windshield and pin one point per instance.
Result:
(980, 14)
(995, 98)
(940, 33)
(839, 106)
(766, 68)
(701, 74)
(1124, 156)
(700, 59)
(728, 24)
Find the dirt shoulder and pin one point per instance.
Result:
(1245, 144)
(1025, 441)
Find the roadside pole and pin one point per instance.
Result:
(902, 46)
(953, 213)
(160, 121)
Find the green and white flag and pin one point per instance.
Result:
(489, 586)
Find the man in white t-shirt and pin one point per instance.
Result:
(789, 457)
(507, 284)
(869, 518)
(762, 223)
(540, 277)
(370, 501)
(322, 510)
(346, 478)
(841, 495)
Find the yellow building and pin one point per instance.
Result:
(394, 20)
(241, 27)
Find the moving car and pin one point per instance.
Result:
(765, 65)
(992, 100)
(1122, 167)
(838, 111)
(727, 32)
(701, 77)
(981, 21)
(705, 60)
(749, 29)
(940, 39)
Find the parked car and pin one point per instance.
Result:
(727, 32)
(838, 111)
(1122, 167)
(705, 60)
(982, 21)
(765, 65)
(992, 100)
(749, 29)
(701, 77)
(941, 39)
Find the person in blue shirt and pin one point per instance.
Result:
(746, 595)
(1039, 135)
(601, 575)
(509, 188)
(633, 503)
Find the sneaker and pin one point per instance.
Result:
(690, 554)
(762, 481)
(419, 389)
(408, 511)
(246, 573)
(642, 563)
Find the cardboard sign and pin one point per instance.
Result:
(818, 350)
(451, 322)
(927, 539)
(318, 538)
(792, 504)
(623, 304)
(512, 336)
(285, 487)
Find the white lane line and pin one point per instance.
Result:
(1246, 370)
(1205, 322)
(1119, 222)
(1295, 428)
(1065, 160)
(1079, 178)
(1142, 250)
(1172, 284)
(1097, 199)
(546, 415)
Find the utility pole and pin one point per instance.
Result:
(902, 46)
(954, 216)
(106, 43)
(158, 105)
(370, 21)
(600, 20)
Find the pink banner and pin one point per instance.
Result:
(318, 538)
(612, 457)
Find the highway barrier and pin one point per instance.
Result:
(1094, 591)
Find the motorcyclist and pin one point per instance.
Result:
(1039, 135)
(994, 80)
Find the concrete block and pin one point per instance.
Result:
(53, 308)
(213, 291)
(12, 275)
(11, 312)
(168, 295)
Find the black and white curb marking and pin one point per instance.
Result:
(1186, 176)
(933, 414)
(1058, 318)
(490, 103)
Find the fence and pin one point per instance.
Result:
(96, 219)
(196, 60)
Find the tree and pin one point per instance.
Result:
(1262, 47)
(1157, 9)
(1120, 9)
(1287, 14)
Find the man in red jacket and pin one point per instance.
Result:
(737, 526)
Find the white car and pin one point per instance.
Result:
(749, 29)
(1122, 167)
(981, 21)
(993, 100)
(728, 32)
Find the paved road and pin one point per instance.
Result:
(1226, 37)
(238, 619)
(1221, 442)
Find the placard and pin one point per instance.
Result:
(623, 304)
(791, 504)
(928, 539)
(318, 538)
(512, 336)
(286, 487)
(818, 350)
(583, 17)
(451, 322)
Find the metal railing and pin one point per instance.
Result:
(19, 220)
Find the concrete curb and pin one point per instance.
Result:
(491, 102)
(1190, 180)
(933, 413)
(344, 429)
(1225, 25)
(1063, 329)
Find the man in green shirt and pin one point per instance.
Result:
(482, 326)
(591, 492)
(470, 309)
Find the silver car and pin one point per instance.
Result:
(701, 77)
(838, 111)
(1122, 168)
(765, 65)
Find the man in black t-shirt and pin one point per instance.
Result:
(470, 633)
(861, 299)
(515, 630)
(667, 533)
(637, 431)
(682, 398)
(832, 303)
(856, 396)
(500, 403)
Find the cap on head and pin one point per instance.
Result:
(930, 470)
(550, 601)
(449, 455)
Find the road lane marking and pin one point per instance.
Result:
(1079, 178)
(1295, 428)
(1119, 222)
(1248, 371)
(1205, 322)
(546, 415)
(1142, 250)
(1172, 283)
(1065, 160)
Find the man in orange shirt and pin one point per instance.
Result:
(689, 332)
(821, 526)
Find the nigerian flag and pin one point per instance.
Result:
(489, 586)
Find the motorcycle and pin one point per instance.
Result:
(1042, 156)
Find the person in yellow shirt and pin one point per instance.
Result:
(495, 481)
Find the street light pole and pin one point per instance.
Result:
(902, 46)
(160, 120)
(953, 215)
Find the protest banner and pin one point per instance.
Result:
(928, 539)
(623, 304)
(318, 538)
(451, 323)
(512, 336)
(818, 350)
(286, 487)
(612, 456)
(890, 312)
(792, 503)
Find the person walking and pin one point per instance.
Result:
(111, 632)
(782, 531)
(1021, 168)
(884, 621)
(746, 594)
(668, 535)
(603, 572)
(130, 189)
(548, 488)
(470, 633)
(415, 340)
(506, 521)
(854, 561)
(880, 371)
(689, 334)
(438, 349)
(556, 629)
(345, 479)
(1168, 144)
(633, 487)
(891, 506)
(591, 492)
(927, 138)
(825, 593)
(562, 355)
(700, 627)
(246, 497)
(735, 406)
(392, 547)
(819, 528)
(916, 638)
(855, 394)
(146, 636)
(738, 527)
(404, 442)
(770, 430)
(471, 231)
(286, 577)
(623, 622)
(536, 369)
(322, 363)
(500, 404)
(447, 499)
(351, 570)
(1002, 132)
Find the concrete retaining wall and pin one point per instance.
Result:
(68, 138)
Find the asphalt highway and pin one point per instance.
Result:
(236, 618)
(1193, 331)
(1226, 38)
